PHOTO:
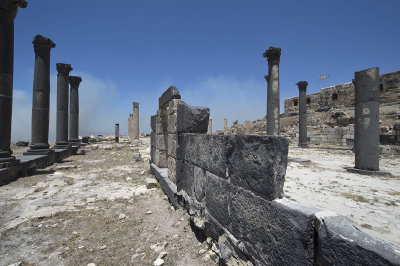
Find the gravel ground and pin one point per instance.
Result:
(96, 209)
(373, 202)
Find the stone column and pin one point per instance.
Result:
(41, 96)
(225, 126)
(366, 125)
(116, 132)
(210, 126)
(8, 11)
(247, 127)
(62, 105)
(273, 54)
(74, 81)
(302, 113)
(135, 130)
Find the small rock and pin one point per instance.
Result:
(225, 252)
(162, 254)
(121, 216)
(142, 173)
(199, 223)
(138, 158)
(22, 144)
(90, 200)
(128, 178)
(158, 262)
(91, 264)
(74, 233)
(151, 183)
(202, 251)
(80, 246)
(16, 264)
(149, 212)
(165, 198)
(103, 247)
(176, 236)
(107, 147)
(214, 248)
(94, 147)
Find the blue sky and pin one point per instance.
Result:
(211, 50)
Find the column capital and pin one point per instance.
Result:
(273, 54)
(302, 85)
(12, 5)
(42, 44)
(135, 104)
(74, 81)
(63, 69)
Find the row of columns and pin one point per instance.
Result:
(41, 92)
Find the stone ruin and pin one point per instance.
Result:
(39, 154)
(133, 122)
(232, 187)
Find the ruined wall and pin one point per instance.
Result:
(342, 95)
(232, 187)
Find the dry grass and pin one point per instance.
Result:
(354, 197)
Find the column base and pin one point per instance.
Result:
(6, 160)
(303, 145)
(366, 172)
(116, 139)
(51, 155)
(75, 142)
(62, 145)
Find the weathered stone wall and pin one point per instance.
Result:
(232, 187)
(342, 95)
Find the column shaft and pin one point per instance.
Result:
(116, 132)
(8, 11)
(366, 126)
(41, 96)
(225, 126)
(210, 126)
(135, 131)
(302, 113)
(62, 105)
(273, 121)
(74, 81)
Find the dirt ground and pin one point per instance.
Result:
(95, 208)
(373, 202)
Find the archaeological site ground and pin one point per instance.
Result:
(318, 184)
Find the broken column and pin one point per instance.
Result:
(225, 126)
(62, 105)
(74, 81)
(366, 126)
(135, 123)
(210, 126)
(302, 113)
(247, 127)
(8, 12)
(273, 54)
(41, 97)
(117, 132)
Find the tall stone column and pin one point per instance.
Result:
(273, 54)
(74, 81)
(302, 113)
(366, 126)
(8, 12)
(62, 105)
(225, 126)
(41, 96)
(117, 132)
(210, 126)
(135, 131)
(247, 127)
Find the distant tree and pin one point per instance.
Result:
(235, 122)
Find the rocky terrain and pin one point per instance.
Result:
(96, 208)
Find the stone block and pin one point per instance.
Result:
(153, 139)
(258, 163)
(172, 169)
(161, 159)
(199, 182)
(171, 93)
(173, 106)
(153, 122)
(279, 232)
(172, 123)
(185, 177)
(206, 151)
(339, 242)
(192, 119)
(162, 142)
(172, 144)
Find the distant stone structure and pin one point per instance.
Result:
(210, 126)
(273, 54)
(232, 187)
(8, 12)
(116, 132)
(74, 81)
(41, 97)
(133, 122)
(62, 106)
(302, 113)
(225, 126)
